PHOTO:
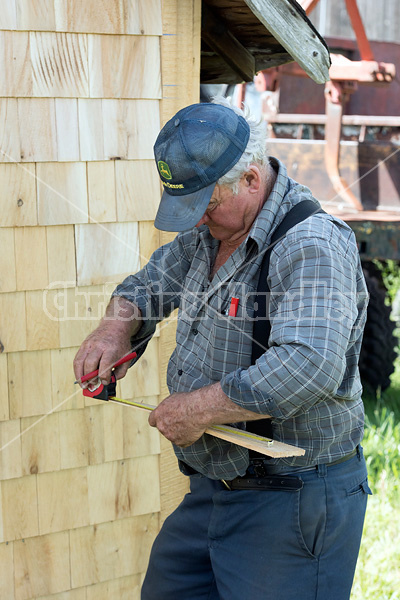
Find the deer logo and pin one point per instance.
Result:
(164, 169)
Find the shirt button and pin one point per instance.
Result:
(180, 372)
(195, 331)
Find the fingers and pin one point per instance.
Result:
(122, 370)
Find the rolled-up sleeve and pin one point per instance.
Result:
(313, 310)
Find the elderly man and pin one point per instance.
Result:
(252, 528)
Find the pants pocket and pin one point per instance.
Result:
(310, 518)
(359, 488)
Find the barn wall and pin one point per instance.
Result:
(84, 89)
(381, 20)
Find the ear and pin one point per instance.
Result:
(252, 179)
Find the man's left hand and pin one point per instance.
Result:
(178, 420)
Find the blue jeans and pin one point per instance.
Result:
(263, 545)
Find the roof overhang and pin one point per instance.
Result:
(241, 37)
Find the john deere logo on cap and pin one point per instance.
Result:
(164, 169)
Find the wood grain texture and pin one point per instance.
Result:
(40, 446)
(117, 489)
(62, 193)
(35, 15)
(138, 438)
(60, 242)
(143, 17)
(78, 594)
(92, 16)
(65, 395)
(80, 311)
(137, 190)
(74, 442)
(106, 252)
(124, 588)
(42, 330)
(7, 577)
(59, 64)
(55, 513)
(67, 129)
(41, 566)
(110, 549)
(8, 278)
(17, 195)
(29, 384)
(10, 454)
(91, 136)
(10, 146)
(37, 129)
(298, 39)
(149, 241)
(20, 508)
(31, 258)
(13, 331)
(101, 192)
(123, 137)
(4, 407)
(180, 50)
(142, 380)
(124, 66)
(8, 14)
(15, 51)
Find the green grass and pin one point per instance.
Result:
(378, 569)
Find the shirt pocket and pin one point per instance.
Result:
(229, 345)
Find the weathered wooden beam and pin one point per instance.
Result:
(218, 37)
(294, 33)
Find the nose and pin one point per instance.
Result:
(203, 220)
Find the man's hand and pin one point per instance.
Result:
(176, 420)
(183, 418)
(109, 342)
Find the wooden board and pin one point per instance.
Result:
(12, 330)
(40, 447)
(101, 192)
(116, 489)
(8, 278)
(17, 194)
(29, 384)
(137, 189)
(106, 252)
(37, 129)
(110, 548)
(60, 241)
(59, 64)
(55, 513)
(10, 453)
(41, 566)
(20, 508)
(124, 66)
(31, 258)
(62, 193)
(4, 407)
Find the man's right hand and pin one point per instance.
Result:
(110, 342)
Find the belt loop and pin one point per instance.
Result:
(358, 451)
(322, 470)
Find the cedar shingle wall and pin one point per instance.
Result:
(81, 102)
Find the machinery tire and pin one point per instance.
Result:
(378, 348)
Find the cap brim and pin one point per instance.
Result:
(179, 213)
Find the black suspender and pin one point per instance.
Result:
(262, 326)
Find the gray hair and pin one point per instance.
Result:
(256, 149)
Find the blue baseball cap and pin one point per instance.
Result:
(193, 150)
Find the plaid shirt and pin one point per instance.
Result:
(307, 380)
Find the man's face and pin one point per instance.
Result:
(229, 216)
